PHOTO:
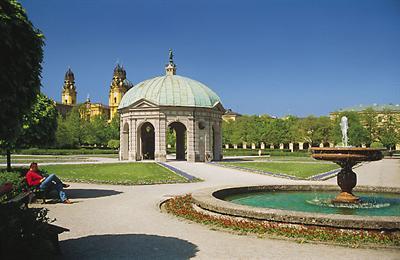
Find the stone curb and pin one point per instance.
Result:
(212, 199)
(177, 171)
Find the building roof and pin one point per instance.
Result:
(171, 90)
(230, 112)
(375, 107)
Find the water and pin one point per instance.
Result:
(372, 204)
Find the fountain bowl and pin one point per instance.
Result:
(213, 201)
(349, 154)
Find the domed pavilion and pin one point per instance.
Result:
(171, 102)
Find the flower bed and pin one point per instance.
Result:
(182, 206)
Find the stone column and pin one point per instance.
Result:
(121, 139)
(253, 146)
(331, 145)
(244, 145)
(262, 146)
(226, 146)
(235, 146)
(191, 140)
(321, 145)
(301, 146)
(271, 146)
(291, 147)
(160, 152)
(281, 146)
(132, 140)
(218, 142)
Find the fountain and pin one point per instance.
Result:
(347, 157)
(376, 208)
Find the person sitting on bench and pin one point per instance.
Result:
(34, 178)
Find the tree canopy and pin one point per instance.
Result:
(20, 68)
(39, 125)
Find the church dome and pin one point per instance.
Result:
(171, 90)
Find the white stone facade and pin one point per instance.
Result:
(203, 130)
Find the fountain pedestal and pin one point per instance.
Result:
(346, 157)
(347, 180)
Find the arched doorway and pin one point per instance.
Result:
(124, 144)
(178, 132)
(147, 141)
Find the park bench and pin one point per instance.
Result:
(36, 192)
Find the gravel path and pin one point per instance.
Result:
(124, 222)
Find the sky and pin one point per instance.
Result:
(275, 57)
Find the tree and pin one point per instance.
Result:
(114, 127)
(70, 131)
(39, 125)
(370, 122)
(64, 138)
(96, 131)
(227, 131)
(20, 68)
(389, 132)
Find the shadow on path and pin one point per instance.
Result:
(89, 193)
(127, 246)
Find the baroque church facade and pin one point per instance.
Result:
(88, 110)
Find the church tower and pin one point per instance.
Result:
(68, 96)
(119, 86)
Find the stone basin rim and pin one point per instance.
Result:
(347, 148)
(211, 199)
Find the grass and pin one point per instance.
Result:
(26, 159)
(182, 206)
(300, 170)
(115, 173)
(37, 151)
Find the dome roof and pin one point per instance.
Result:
(171, 90)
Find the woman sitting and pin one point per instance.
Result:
(34, 178)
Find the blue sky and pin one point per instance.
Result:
(276, 57)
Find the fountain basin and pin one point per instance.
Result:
(213, 200)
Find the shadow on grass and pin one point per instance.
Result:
(127, 246)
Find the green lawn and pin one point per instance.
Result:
(115, 173)
(300, 170)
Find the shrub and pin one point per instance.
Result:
(36, 151)
(377, 145)
(23, 233)
(16, 179)
(113, 144)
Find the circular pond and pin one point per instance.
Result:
(306, 204)
(371, 204)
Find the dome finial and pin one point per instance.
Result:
(88, 98)
(171, 57)
(170, 68)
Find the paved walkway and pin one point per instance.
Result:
(124, 222)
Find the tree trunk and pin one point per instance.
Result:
(8, 160)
